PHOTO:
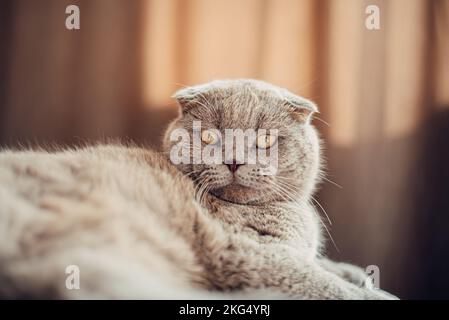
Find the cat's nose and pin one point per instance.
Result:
(233, 166)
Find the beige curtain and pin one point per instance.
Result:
(383, 98)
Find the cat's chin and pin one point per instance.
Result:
(237, 193)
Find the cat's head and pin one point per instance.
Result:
(280, 129)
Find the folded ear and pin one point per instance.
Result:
(186, 98)
(190, 97)
(301, 109)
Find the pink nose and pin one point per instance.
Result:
(233, 167)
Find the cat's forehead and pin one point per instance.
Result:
(245, 110)
(242, 104)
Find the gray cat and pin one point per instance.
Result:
(137, 226)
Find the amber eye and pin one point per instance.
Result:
(265, 141)
(209, 137)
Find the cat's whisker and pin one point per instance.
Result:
(322, 208)
(322, 176)
(287, 178)
(294, 189)
(196, 179)
(206, 192)
(286, 192)
(279, 191)
(203, 186)
(323, 121)
(193, 173)
(198, 195)
(318, 216)
(328, 232)
(181, 85)
(331, 182)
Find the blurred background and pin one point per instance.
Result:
(383, 97)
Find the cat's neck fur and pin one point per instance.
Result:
(288, 222)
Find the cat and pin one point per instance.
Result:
(136, 225)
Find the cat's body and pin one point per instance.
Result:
(113, 211)
(134, 224)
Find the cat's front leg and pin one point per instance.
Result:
(312, 281)
(281, 268)
(232, 261)
(241, 265)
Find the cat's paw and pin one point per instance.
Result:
(348, 272)
(354, 274)
(360, 278)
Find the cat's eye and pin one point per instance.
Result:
(209, 137)
(265, 141)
